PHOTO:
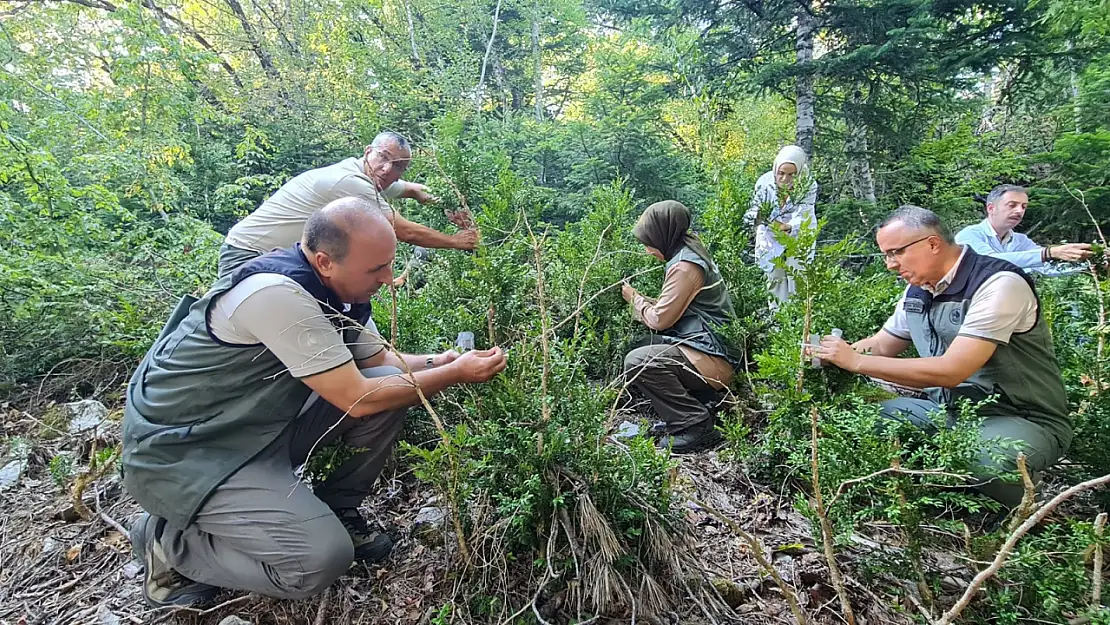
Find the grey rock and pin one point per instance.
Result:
(429, 525)
(234, 620)
(50, 545)
(132, 569)
(13, 469)
(87, 414)
(105, 616)
(627, 429)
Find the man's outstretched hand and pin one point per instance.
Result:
(1070, 252)
(479, 366)
(467, 239)
(422, 194)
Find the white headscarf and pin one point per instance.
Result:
(791, 154)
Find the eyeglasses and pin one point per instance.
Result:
(898, 251)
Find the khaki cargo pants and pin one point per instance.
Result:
(264, 531)
(1040, 446)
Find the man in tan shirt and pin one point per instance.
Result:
(375, 178)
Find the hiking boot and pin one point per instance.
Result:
(370, 547)
(162, 586)
(693, 438)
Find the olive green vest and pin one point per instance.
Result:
(1022, 376)
(712, 307)
(199, 409)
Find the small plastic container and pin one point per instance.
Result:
(465, 341)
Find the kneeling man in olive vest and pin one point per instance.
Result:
(976, 323)
(278, 360)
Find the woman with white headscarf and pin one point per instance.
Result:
(785, 208)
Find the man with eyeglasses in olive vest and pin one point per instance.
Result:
(977, 325)
(277, 361)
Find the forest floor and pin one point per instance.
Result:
(59, 568)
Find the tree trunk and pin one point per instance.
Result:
(1076, 106)
(805, 125)
(485, 60)
(537, 60)
(856, 148)
(412, 35)
(253, 40)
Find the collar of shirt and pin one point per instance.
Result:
(989, 229)
(948, 277)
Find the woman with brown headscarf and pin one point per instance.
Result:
(685, 354)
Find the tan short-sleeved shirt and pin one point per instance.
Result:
(274, 310)
(1002, 306)
(680, 287)
(279, 222)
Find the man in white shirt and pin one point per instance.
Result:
(375, 177)
(976, 324)
(995, 236)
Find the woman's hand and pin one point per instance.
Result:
(627, 292)
(782, 226)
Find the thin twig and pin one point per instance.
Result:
(826, 528)
(586, 273)
(1008, 546)
(393, 314)
(447, 179)
(322, 611)
(1028, 498)
(1096, 581)
(805, 342)
(597, 294)
(844, 486)
(537, 250)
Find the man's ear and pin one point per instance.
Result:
(324, 263)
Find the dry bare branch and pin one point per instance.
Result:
(1008, 546)
(1028, 497)
(826, 528)
(1096, 581)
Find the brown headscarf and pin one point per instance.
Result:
(666, 227)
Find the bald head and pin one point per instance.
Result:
(329, 229)
(916, 244)
(917, 219)
(351, 245)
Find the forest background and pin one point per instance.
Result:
(134, 133)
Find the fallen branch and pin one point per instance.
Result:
(844, 486)
(114, 523)
(1008, 546)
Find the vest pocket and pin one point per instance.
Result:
(185, 428)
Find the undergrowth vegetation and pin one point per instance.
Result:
(133, 134)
